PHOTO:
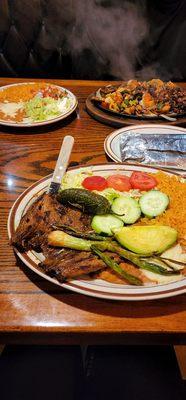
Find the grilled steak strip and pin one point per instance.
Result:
(39, 218)
(33, 230)
(66, 264)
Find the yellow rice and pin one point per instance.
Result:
(22, 92)
(175, 215)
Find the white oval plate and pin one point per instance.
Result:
(91, 287)
(49, 121)
(112, 141)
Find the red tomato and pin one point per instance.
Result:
(119, 182)
(142, 181)
(95, 183)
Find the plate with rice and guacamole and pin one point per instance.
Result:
(34, 104)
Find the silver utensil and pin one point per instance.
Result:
(61, 164)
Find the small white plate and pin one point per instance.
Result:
(63, 115)
(112, 141)
(91, 287)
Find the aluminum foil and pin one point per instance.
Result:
(161, 150)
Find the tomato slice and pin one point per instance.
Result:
(142, 181)
(95, 183)
(119, 182)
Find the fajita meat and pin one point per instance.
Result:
(34, 227)
(65, 264)
(45, 212)
(149, 98)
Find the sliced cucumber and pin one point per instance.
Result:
(105, 223)
(127, 209)
(153, 203)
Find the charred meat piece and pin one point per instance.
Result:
(102, 92)
(45, 212)
(33, 230)
(107, 89)
(67, 264)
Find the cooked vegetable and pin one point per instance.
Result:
(119, 182)
(62, 239)
(175, 257)
(153, 203)
(133, 280)
(146, 239)
(139, 261)
(127, 209)
(89, 202)
(105, 223)
(160, 262)
(170, 262)
(142, 181)
(74, 232)
(95, 183)
(148, 98)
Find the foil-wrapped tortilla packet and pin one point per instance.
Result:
(163, 150)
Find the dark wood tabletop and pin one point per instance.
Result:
(33, 310)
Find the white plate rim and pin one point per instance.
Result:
(108, 140)
(40, 123)
(120, 292)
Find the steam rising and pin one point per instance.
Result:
(104, 38)
(111, 34)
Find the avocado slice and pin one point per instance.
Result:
(146, 239)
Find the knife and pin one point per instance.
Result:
(61, 164)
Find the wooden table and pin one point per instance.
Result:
(31, 309)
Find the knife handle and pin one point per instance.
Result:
(63, 159)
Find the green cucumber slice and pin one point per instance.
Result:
(105, 223)
(153, 203)
(127, 209)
